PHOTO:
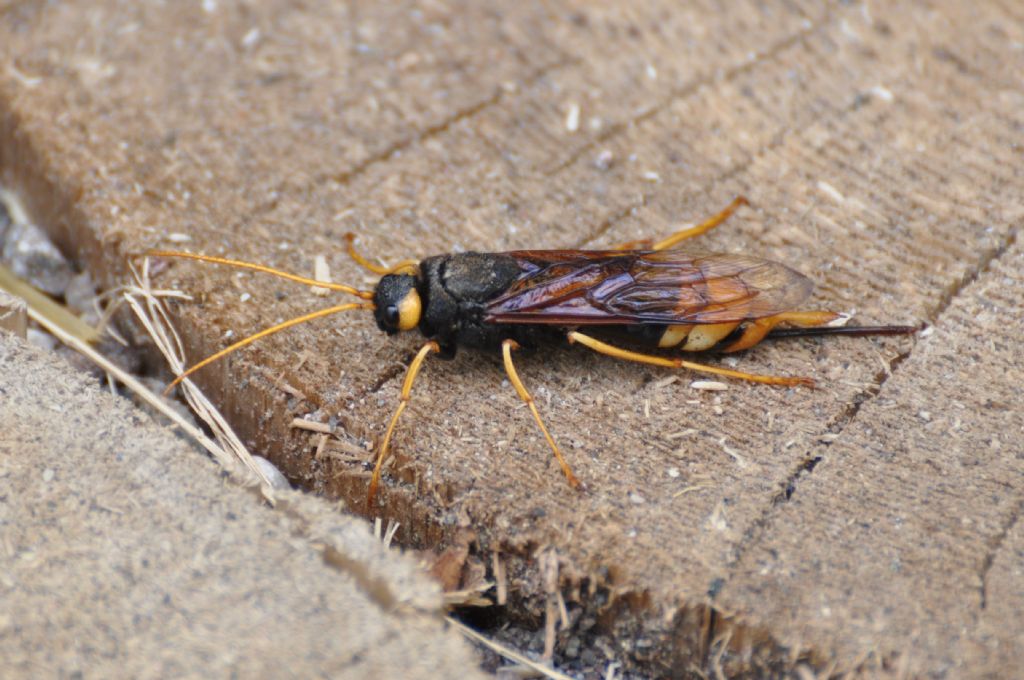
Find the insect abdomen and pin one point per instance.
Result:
(695, 337)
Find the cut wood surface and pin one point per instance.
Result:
(869, 524)
(127, 555)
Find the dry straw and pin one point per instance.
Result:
(228, 449)
(146, 303)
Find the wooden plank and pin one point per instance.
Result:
(877, 146)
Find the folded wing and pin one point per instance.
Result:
(578, 287)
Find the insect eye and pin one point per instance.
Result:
(391, 315)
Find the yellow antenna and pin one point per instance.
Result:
(403, 267)
(239, 264)
(268, 331)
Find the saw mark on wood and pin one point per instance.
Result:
(612, 220)
(983, 265)
(389, 152)
(777, 140)
(346, 176)
(757, 529)
(837, 427)
(729, 74)
(1007, 8)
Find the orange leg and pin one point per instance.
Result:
(690, 232)
(506, 351)
(627, 355)
(410, 377)
(758, 328)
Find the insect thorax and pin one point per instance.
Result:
(456, 289)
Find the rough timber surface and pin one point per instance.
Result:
(868, 525)
(127, 554)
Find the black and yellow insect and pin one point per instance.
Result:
(649, 294)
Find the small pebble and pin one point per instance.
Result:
(604, 160)
(31, 256)
(41, 339)
(5, 221)
(277, 480)
(80, 292)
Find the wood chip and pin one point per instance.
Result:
(711, 385)
(572, 118)
(321, 272)
(664, 382)
(500, 577)
(303, 424)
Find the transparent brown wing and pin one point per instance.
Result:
(581, 287)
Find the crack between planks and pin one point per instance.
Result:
(985, 263)
(843, 420)
(384, 378)
(993, 547)
(838, 425)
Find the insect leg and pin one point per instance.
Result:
(703, 227)
(690, 232)
(758, 328)
(506, 352)
(627, 355)
(410, 377)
